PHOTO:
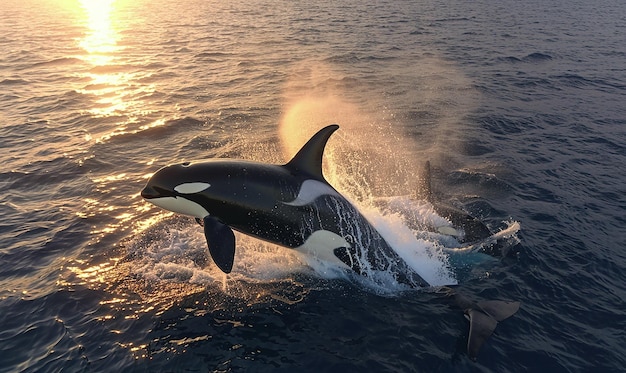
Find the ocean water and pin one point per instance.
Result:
(519, 106)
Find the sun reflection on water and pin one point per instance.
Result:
(101, 41)
(100, 44)
(112, 79)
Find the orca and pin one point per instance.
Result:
(472, 229)
(464, 227)
(293, 205)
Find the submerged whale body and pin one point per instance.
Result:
(293, 205)
(473, 229)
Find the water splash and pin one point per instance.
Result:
(370, 159)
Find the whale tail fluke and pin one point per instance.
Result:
(498, 309)
(483, 317)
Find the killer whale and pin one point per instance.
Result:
(472, 228)
(293, 205)
(466, 228)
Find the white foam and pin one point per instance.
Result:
(177, 253)
(423, 256)
(505, 238)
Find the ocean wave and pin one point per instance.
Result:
(111, 69)
(42, 174)
(474, 182)
(578, 81)
(475, 148)
(212, 55)
(530, 58)
(506, 125)
(58, 62)
(346, 58)
(56, 327)
(163, 140)
(537, 57)
(530, 82)
(421, 31)
(158, 77)
(17, 81)
(453, 19)
(40, 231)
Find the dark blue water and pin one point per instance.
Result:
(519, 106)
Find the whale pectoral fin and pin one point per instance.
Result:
(481, 328)
(221, 241)
(349, 257)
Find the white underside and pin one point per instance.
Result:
(180, 205)
(321, 245)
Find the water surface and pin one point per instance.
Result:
(519, 106)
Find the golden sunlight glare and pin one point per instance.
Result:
(102, 37)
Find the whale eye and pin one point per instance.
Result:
(186, 164)
(190, 188)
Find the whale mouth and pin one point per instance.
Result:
(150, 192)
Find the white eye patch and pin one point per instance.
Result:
(190, 188)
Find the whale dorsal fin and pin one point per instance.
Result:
(425, 187)
(309, 159)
